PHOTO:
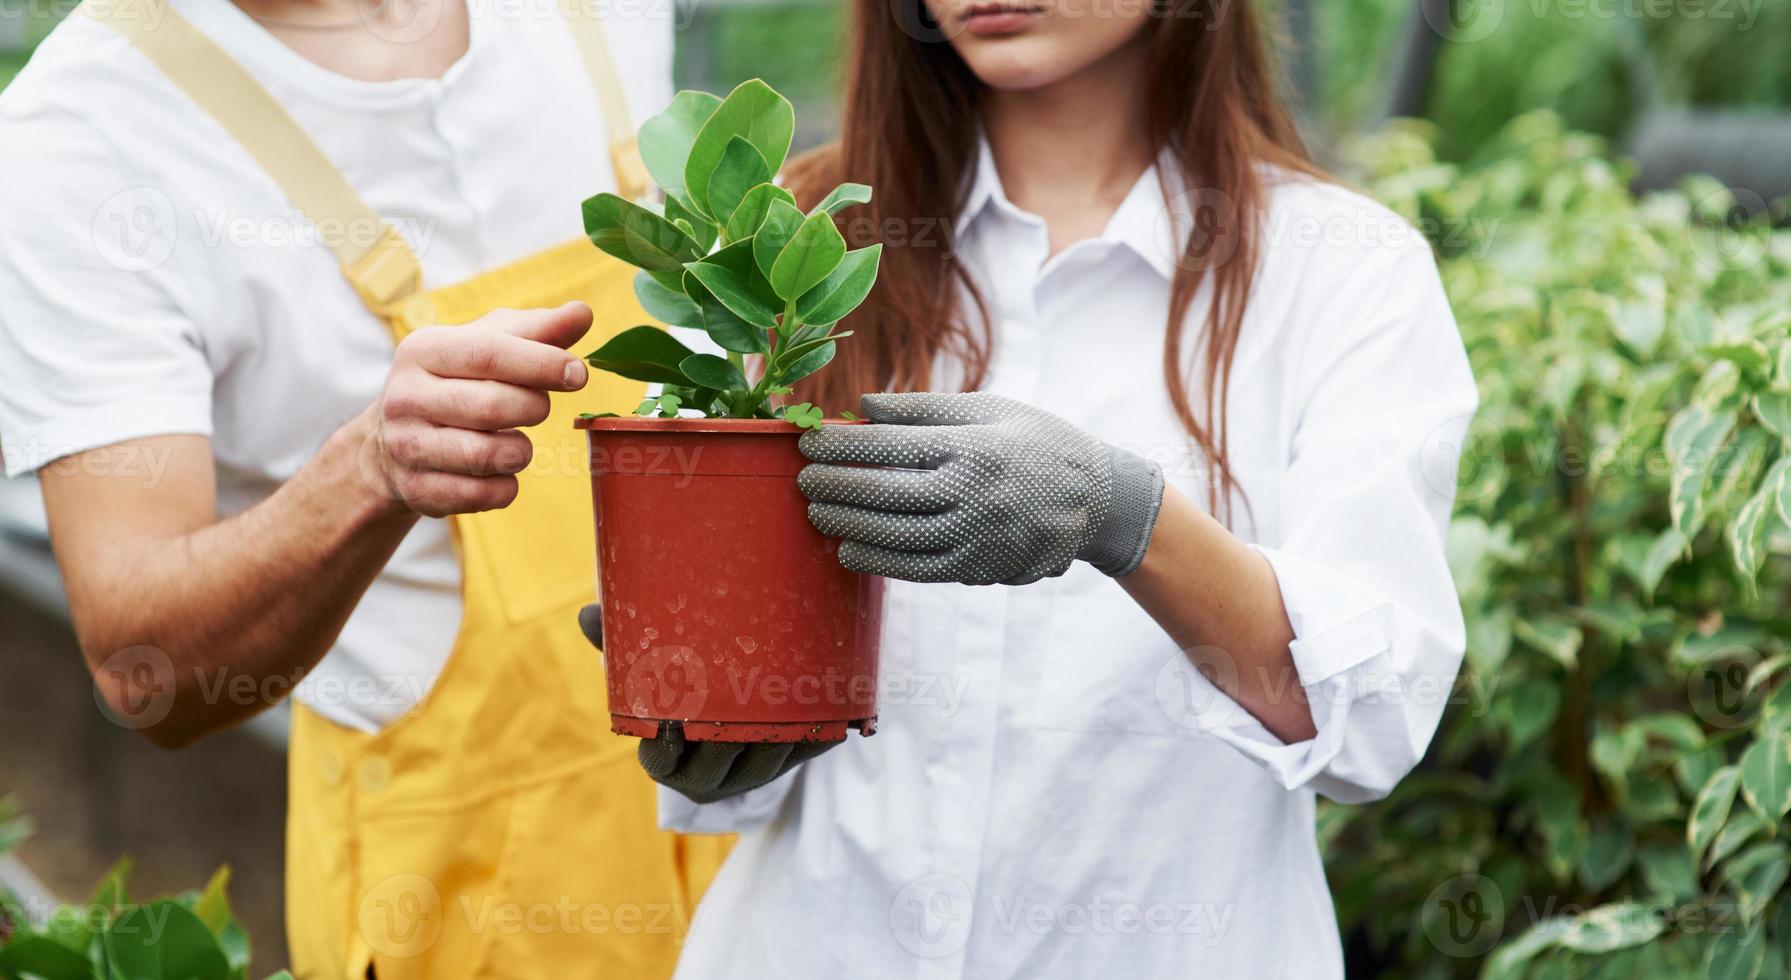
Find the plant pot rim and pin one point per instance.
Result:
(635, 423)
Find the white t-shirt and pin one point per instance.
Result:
(154, 280)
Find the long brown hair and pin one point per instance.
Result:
(910, 131)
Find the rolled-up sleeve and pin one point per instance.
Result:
(1359, 545)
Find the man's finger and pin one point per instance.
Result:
(560, 327)
(422, 446)
(485, 406)
(495, 355)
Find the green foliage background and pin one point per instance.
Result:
(1607, 794)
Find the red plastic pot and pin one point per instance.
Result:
(723, 608)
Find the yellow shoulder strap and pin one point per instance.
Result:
(382, 268)
(632, 179)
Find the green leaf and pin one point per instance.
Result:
(1694, 438)
(1612, 927)
(843, 197)
(1508, 961)
(741, 169)
(162, 941)
(1737, 954)
(1552, 635)
(1670, 872)
(636, 235)
(1748, 528)
(1668, 547)
(110, 893)
(1741, 828)
(807, 364)
(752, 112)
(1757, 874)
(1766, 777)
(844, 288)
(734, 293)
(750, 214)
(42, 957)
(782, 219)
(710, 371)
(729, 331)
(665, 140)
(1711, 808)
(668, 306)
(213, 905)
(1609, 851)
(701, 229)
(1530, 709)
(805, 416)
(642, 354)
(812, 253)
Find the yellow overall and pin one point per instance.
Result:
(498, 829)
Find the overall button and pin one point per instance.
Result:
(329, 767)
(376, 774)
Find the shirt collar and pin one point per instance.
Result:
(1142, 222)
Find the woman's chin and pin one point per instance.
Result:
(1014, 71)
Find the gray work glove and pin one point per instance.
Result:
(984, 490)
(708, 771)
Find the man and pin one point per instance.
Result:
(220, 219)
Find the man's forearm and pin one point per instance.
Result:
(242, 608)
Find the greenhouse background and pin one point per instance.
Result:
(1604, 183)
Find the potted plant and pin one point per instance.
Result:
(724, 610)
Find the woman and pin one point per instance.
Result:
(1211, 432)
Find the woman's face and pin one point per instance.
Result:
(1026, 44)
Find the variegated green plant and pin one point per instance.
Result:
(1608, 792)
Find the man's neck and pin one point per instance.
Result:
(369, 40)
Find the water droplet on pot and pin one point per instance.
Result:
(746, 643)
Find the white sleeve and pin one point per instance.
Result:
(98, 342)
(748, 811)
(1364, 511)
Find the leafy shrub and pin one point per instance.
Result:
(1608, 789)
(192, 936)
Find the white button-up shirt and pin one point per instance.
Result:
(1053, 791)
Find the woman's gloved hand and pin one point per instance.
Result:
(707, 771)
(976, 488)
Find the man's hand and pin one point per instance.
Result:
(445, 428)
(708, 771)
